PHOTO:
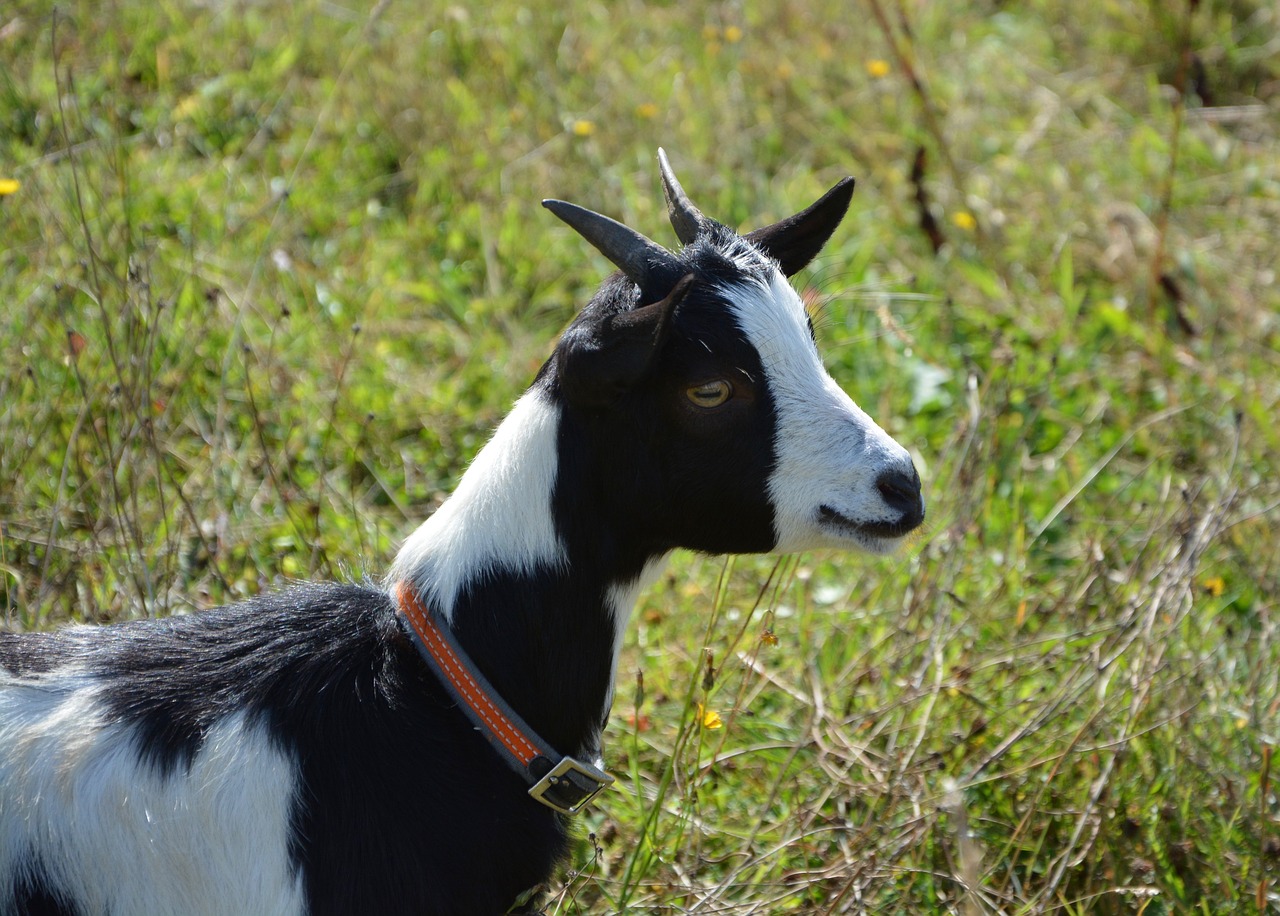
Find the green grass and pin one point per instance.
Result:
(274, 270)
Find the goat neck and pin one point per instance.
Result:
(530, 580)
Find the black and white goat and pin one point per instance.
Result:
(294, 754)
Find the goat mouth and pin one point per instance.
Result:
(879, 530)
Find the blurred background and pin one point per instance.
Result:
(271, 271)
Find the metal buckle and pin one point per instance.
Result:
(570, 785)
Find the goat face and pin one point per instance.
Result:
(698, 370)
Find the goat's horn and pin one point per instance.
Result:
(686, 219)
(642, 260)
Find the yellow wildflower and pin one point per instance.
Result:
(583, 128)
(877, 68)
(9, 186)
(710, 718)
(964, 220)
(1215, 586)
(733, 34)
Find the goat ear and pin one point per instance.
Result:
(796, 240)
(599, 361)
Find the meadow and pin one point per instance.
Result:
(271, 271)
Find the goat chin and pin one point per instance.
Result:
(293, 754)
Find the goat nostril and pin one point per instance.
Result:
(901, 490)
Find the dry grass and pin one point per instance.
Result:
(271, 272)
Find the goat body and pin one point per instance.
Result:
(293, 754)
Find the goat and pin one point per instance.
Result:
(300, 753)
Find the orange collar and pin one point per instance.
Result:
(566, 786)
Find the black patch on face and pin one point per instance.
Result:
(652, 472)
(716, 472)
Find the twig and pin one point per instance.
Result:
(1080, 485)
(1156, 279)
(932, 122)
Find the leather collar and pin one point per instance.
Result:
(556, 780)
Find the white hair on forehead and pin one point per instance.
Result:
(829, 451)
(748, 257)
(718, 242)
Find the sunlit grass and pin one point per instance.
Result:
(271, 272)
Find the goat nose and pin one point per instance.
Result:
(901, 491)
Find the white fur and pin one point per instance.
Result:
(829, 452)
(622, 601)
(119, 838)
(500, 515)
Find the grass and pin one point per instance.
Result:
(272, 271)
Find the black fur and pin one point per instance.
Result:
(36, 653)
(399, 796)
(34, 897)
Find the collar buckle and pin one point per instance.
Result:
(570, 785)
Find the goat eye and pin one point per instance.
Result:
(710, 394)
